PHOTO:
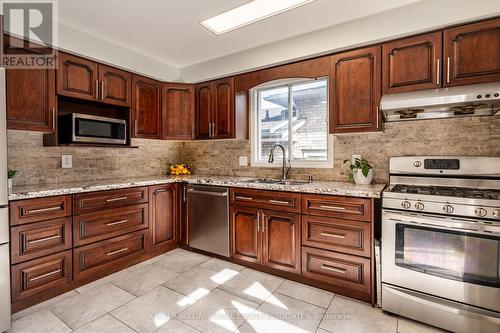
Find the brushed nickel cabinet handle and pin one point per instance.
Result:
(44, 239)
(96, 89)
(438, 67)
(333, 269)
(161, 190)
(116, 199)
(258, 221)
(332, 207)
(42, 210)
(327, 234)
(54, 118)
(102, 90)
(242, 198)
(279, 202)
(263, 218)
(213, 130)
(116, 223)
(448, 63)
(45, 275)
(117, 251)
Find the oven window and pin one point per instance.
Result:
(99, 129)
(454, 255)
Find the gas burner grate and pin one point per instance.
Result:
(448, 191)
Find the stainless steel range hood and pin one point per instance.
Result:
(461, 101)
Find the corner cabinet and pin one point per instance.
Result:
(163, 216)
(355, 91)
(215, 110)
(413, 63)
(146, 108)
(177, 111)
(472, 53)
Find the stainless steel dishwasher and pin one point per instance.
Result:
(208, 218)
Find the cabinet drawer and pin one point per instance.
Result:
(35, 276)
(337, 235)
(280, 201)
(92, 227)
(336, 206)
(34, 210)
(91, 202)
(34, 240)
(109, 254)
(339, 269)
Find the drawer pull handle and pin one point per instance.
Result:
(117, 251)
(279, 202)
(116, 223)
(45, 275)
(242, 198)
(333, 269)
(160, 191)
(44, 239)
(42, 210)
(332, 207)
(117, 199)
(327, 234)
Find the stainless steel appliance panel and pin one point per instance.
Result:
(4, 225)
(208, 218)
(4, 288)
(3, 142)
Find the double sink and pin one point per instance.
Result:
(277, 181)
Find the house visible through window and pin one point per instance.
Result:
(295, 115)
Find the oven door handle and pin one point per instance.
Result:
(487, 230)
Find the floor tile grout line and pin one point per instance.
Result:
(123, 322)
(298, 299)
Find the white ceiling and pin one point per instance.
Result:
(169, 30)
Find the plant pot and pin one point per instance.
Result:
(360, 179)
(9, 183)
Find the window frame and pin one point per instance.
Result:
(254, 125)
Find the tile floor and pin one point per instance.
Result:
(185, 292)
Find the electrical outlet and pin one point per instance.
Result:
(66, 161)
(355, 157)
(243, 160)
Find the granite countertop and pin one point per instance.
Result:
(318, 187)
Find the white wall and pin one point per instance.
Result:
(418, 17)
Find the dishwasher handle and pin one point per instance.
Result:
(216, 194)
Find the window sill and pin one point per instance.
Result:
(297, 165)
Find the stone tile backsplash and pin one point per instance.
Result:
(40, 165)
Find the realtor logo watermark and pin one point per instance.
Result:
(31, 28)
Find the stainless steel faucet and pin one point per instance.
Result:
(286, 162)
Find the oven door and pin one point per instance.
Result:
(94, 129)
(454, 258)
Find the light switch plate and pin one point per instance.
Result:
(355, 157)
(243, 160)
(67, 161)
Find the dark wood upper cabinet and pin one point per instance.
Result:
(163, 216)
(355, 91)
(177, 111)
(204, 107)
(412, 63)
(223, 112)
(114, 86)
(146, 108)
(472, 53)
(30, 96)
(77, 77)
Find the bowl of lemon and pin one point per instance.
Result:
(179, 169)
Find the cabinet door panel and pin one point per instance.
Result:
(115, 86)
(246, 238)
(204, 106)
(472, 53)
(163, 216)
(223, 113)
(77, 77)
(281, 246)
(412, 63)
(146, 108)
(355, 91)
(178, 111)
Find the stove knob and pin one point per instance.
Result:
(481, 212)
(496, 213)
(448, 209)
(417, 164)
(419, 206)
(406, 204)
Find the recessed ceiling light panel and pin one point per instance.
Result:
(248, 13)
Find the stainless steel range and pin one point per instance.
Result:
(441, 242)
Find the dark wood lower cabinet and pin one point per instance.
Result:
(164, 216)
(246, 238)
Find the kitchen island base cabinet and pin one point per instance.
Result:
(164, 217)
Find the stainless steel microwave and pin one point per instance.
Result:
(84, 128)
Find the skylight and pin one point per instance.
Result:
(248, 13)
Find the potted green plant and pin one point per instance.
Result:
(360, 171)
(10, 174)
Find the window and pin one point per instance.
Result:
(295, 115)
